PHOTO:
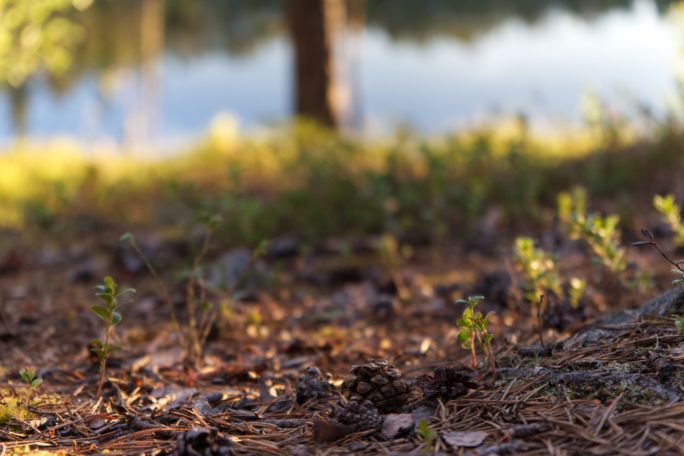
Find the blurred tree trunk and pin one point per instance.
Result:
(18, 97)
(151, 50)
(313, 25)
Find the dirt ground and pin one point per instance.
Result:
(612, 387)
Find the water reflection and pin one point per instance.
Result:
(435, 65)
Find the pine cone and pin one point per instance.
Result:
(344, 418)
(446, 383)
(312, 385)
(379, 382)
(360, 415)
(203, 442)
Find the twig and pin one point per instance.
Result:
(540, 323)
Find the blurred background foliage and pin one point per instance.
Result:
(300, 178)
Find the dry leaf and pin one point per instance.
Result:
(397, 425)
(468, 439)
(327, 431)
(677, 354)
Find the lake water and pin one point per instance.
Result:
(461, 73)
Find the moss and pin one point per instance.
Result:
(12, 407)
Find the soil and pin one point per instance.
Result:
(609, 385)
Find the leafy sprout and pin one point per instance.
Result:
(109, 313)
(474, 331)
(679, 324)
(428, 435)
(599, 232)
(201, 313)
(538, 269)
(32, 381)
(671, 214)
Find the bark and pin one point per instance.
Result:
(312, 28)
(669, 303)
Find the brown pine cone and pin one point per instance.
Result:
(312, 385)
(379, 382)
(360, 415)
(202, 442)
(344, 418)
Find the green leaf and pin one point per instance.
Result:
(679, 324)
(27, 375)
(116, 318)
(101, 312)
(110, 283)
(261, 249)
(214, 221)
(36, 382)
(127, 237)
(464, 339)
(425, 431)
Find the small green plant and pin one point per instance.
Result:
(671, 214)
(201, 313)
(32, 381)
(572, 210)
(428, 435)
(576, 289)
(601, 233)
(474, 331)
(538, 269)
(111, 317)
(679, 324)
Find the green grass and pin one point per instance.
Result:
(309, 182)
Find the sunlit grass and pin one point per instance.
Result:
(306, 179)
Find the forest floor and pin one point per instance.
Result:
(615, 389)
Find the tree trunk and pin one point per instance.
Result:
(312, 28)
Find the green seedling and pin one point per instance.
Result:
(428, 435)
(576, 289)
(109, 313)
(201, 313)
(599, 232)
(474, 331)
(540, 278)
(32, 381)
(679, 324)
(538, 269)
(671, 214)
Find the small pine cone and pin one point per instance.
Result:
(202, 442)
(312, 385)
(446, 383)
(360, 415)
(379, 382)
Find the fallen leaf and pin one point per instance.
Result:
(397, 425)
(467, 439)
(327, 431)
(677, 354)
